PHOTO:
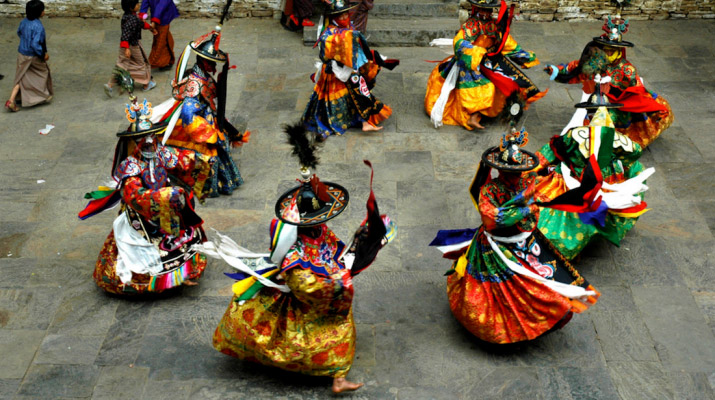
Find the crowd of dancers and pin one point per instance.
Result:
(512, 279)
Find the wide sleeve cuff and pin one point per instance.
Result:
(124, 44)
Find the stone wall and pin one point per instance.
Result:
(113, 8)
(560, 10)
(533, 10)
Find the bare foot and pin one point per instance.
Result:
(342, 385)
(474, 121)
(368, 127)
(190, 283)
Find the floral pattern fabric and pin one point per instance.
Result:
(308, 330)
(492, 301)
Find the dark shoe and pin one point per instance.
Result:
(292, 23)
(166, 68)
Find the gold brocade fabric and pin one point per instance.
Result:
(308, 330)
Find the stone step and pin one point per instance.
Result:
(382, 32)
(414, 8)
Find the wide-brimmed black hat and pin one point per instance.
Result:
(486, 3)
(606, 40)
(314, 208)
(509, 156)
(339, 7)
(597, 99)
(614, 28)
(207, 46)
(138, 115)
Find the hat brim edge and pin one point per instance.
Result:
(521, 168)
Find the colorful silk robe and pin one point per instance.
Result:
(309, 329)
(198, 130)
(644, 115)
(163, 215)
(566, 230)
(337, 105)
(492, 301)
(483, 83)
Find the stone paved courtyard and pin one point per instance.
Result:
(649, 337)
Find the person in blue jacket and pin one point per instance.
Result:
(33, 81)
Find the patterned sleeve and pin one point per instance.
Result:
(160, 206)
(333, 293)
(194, 123)
(546, 157)
(570, 73)
(468, 54)
(630, 75)
(524, 58)
(128, 25)
(507, 214)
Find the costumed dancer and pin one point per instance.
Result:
(508, 283)
(482, 78)
(296, 14)
(162, 47)
(293, 309)
(618, 201)
(149, 247)
(358, 15)
(342, 96)
(33, 81)
(131, 56)
(644, 114)
(196, 114)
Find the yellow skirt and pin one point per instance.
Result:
(463, 102)
(276, 329)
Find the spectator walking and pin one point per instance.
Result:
(33, 81)
(132, 57)
(162, 47)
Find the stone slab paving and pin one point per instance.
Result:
(650, 336)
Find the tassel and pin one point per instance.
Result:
(171, 279)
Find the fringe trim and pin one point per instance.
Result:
(172, 278)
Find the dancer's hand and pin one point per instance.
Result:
(127, 53)
(552, 70)
(47, 56)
